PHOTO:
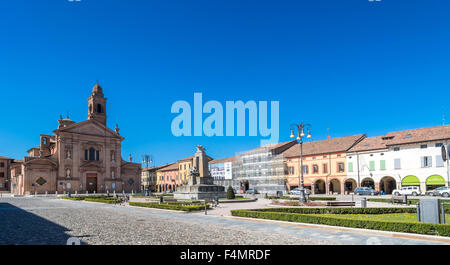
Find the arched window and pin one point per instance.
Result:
(44, 141)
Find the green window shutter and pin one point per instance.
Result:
(350, 166)
(382, 164)
(372, 165)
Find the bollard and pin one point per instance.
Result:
(46, 193)
(206, 211)
(56, 193)
(76, 192)
(418, 211)
(363, 202)
(405, 199)
(442, 213)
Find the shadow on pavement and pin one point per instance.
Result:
(20, 227)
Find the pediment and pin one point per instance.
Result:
(41, 161)
(90, 127)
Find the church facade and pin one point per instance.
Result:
(78, 157)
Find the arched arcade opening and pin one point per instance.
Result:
(319, 187)
(368, 182)
(335, 186)
(387, 185)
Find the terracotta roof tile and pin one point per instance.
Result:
(371, 143)
(170, 167)
(419, 135)
(334, 145)
(271, 147)
(222, 160)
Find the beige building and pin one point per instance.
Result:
(78, 157)
(149, 178)
(324, 165)
(184, 167)
(5, 165)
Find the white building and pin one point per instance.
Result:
(221, 171)
(404, 158)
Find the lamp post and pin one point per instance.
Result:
(146, 159)
(300, 134)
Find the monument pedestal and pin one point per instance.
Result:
(201, 184)
(205, 189)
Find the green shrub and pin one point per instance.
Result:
(337, 210)
(175, 206)
(73, 198)
(95, 198)
(310, 198)
(230, 193)
(104, 200)
(419, 228)
(322, 198)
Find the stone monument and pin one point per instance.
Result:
(201, 184)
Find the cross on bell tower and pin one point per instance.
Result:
(97, 105)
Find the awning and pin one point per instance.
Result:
(435, 180)
(410, 181)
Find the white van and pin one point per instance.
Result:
(409, 190)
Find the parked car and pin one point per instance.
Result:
(409, 190)
(251, 191)
(365, 191)
(444, 191)
(296, 191)
(435, 192)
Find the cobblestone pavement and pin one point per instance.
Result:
(54, 221)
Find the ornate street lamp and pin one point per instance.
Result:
(300, 134)
(147, 159)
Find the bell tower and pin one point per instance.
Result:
(97, 105)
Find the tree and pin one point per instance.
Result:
(230, 193)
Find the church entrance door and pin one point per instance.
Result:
(91, 182)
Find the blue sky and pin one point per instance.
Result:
(352, 66)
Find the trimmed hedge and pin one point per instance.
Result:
(103, 200)
(322, 198)
(310, 198)
(73, 198)
(172, 206)
(99, 198)
(337, 210)
(418, 228)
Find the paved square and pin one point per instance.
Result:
(44, 221)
